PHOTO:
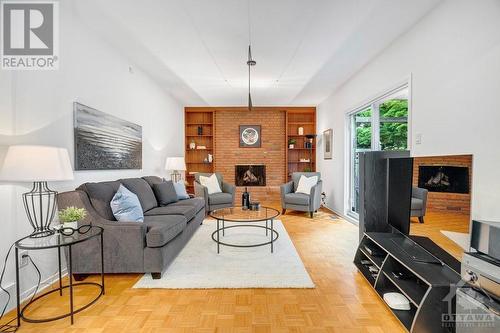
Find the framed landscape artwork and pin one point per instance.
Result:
(250, 136)
(105, 142)
(328, 144)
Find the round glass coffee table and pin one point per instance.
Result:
(245, 218)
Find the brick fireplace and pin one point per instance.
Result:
(441, 200)
(271, 154)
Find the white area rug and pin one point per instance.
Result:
(460, 238)
(198, 266)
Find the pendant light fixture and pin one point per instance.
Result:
(250, 61)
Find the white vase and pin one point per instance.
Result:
(291, 146)
(73, 225)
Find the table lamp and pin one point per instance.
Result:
(175, 164)
(37, 165)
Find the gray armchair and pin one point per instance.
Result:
(418, 203)
(300, 201)
(216, 200)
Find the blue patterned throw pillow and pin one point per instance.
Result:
(126, 206)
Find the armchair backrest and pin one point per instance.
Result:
(217, 174)
(296, 177)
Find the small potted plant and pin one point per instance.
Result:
(70, 216)
(291, 143)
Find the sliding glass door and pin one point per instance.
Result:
(380, 125)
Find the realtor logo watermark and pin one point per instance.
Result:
(29, 35)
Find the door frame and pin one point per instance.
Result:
(373, 102)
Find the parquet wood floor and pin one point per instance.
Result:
(341, 302)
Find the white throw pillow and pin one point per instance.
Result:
(211, 183)
(306, 183)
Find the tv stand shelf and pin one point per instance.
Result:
(425, 280)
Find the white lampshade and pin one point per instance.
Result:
(36, 164)
(175, 163)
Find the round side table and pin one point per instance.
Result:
(59, 241)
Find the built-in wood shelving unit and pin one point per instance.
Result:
(195, 158)
(205, 117)
(296, 118)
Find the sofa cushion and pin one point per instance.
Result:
(165, 193)
(143, 191)
(211, 183)
(197, 203)
(151, 180)
(296, 177)
(162, 229)
(306, 184)
(297, 199)
(220, 198)
(180, 189)
(204, 174)
(416, 203)
(126, 206)
(100, 195)
(186, 211)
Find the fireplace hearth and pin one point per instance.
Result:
(250, 175)
(450, 179)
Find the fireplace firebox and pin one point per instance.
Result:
(440, 178)
(250, 175)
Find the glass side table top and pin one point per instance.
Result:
(58, 239)
(238, 214)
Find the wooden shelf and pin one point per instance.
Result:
(205, 118)
(305, 118)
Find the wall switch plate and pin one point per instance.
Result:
(23, 259)
(418, 138)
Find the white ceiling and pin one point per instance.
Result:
(305, 49)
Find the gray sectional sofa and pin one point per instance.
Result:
(132, 247)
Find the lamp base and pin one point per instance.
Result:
(40, 206)
(176, 176)
(42, 233)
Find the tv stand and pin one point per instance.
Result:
(427, 283)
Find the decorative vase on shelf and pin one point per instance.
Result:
(210, 158)
(192, 145)
(291, 146)
(300, 130)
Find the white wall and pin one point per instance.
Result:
(453, 56)
(36, 108)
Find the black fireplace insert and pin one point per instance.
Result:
(250, 175)
(440, 178)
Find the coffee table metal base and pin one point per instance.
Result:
(269, 229)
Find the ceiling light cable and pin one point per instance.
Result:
(250, 61)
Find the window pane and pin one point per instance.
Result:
(363, 126)
(394, 124)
